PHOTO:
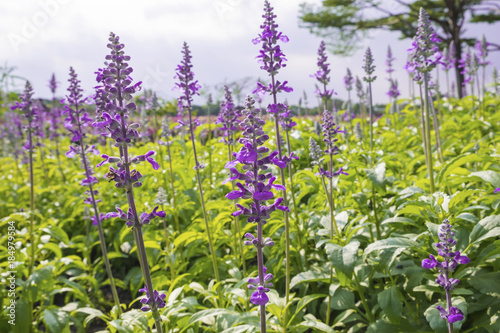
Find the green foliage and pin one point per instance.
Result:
(378, 284)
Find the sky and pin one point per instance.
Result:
(48, 36)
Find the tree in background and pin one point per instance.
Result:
(345, 23)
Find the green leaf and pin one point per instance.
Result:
(486, 228)
(455, 163)
(390, 243)
(391, 302)
(302, 303)
(488, 283)
(343, 259)
(92, 313)
(313, 275)
(311, 322)
(54, 248)
(343, 299)
(409, 191)
(39, 282)
(22, 311)
(377, 177)
(488, 176)
(467, 217)
(205, 314)
(55, 319)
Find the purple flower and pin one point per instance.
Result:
(393, 90)
(360, 91)
(53, 84)
(270, 57)
(482, 51)
(228, 117)
(348, 80)
(323, 71)
(152, 303)
(368, 66)
(424, 54)
(497, 190)
(389, 61)
(451, 260)
(259, 297)
(30, 112)
(187, 85)
(258, 184)
(470, 65)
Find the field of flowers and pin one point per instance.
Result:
(121, 212)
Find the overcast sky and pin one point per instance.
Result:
(48, 36)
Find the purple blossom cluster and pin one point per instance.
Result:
(446, 267)
(393, 89)
(348, 80)
(77, 119)
(258, 182)
(188, 86)
(322, 74)
(424, 53)
(470, 65)
(270, 57)
(114, 101)
(330, 131)
(29, 112)
(228, 117)
(369, 67)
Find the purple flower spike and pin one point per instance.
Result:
(497, 190)
(322, 74)
(53, 84)
(228, 117)
(259, 297)
(348, 80)
(368, 66)
(270, 57)
(451, 260)
(424, 53)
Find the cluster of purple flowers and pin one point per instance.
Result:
(258, 182)
(228, 117)
(369, 67)
(270, 57)
(424, 54)
(348, 80)
(188, 86)
(29, 112)
(470, 65)
(77, 119)
(451, 260)
(115, 101)
(322, 74)
(330, 131)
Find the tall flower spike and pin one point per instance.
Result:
(451, 260)
(368, 66)
(53, 84)
(76, 120)
(228, 117)
(390, 58)
(322, 74)
(258, 183)
(271, 58)
(348, 80)
(424, 53)
(116, 102)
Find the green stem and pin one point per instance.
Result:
(205, 216)
(428, 131)
(167, 244)
(359, 288)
